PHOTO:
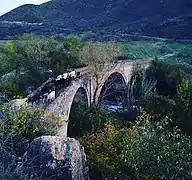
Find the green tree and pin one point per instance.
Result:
(36, 51)
(11, 90)
(66, 55)
(145, 151)
(168, 76)
(9, 58)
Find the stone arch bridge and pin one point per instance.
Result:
(86, 90)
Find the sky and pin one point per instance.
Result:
(8, 5)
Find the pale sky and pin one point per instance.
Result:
(7, 5)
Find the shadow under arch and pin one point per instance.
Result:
(80, 99)
(114, 86)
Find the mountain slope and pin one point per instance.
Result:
(164, 18)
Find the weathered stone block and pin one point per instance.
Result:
(55, 158)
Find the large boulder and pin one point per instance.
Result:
(8, 164)
(7, 160)
(52, 157)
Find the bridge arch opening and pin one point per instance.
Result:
(80, 101)
(113, 91)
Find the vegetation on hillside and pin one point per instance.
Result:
(31, 60)
(168, 19)
(144, 151)
(156, 144)
(162, 50)
(20, 127)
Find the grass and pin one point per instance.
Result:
(175, 52)
(141, 49)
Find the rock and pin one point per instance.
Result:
(16, 104)
(56, 158)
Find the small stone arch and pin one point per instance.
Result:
(62, 104)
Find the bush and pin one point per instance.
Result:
(11, 90)
(26, 124)
(168, 76)
(159, 105)
(162, 152)
(104, 151)
(84, 120)
(183, 108)
(66, 55)
(147, 150)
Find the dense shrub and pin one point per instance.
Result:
(183, 108)
(168, 76)
(24, 125)
(84, 119)
(162, 152)
(145, 151)
(13, 173)
(11, 90)
(66, 55)
(104, 151)
(159, 105)
(11, 169)
(34, 59)
(9, 58)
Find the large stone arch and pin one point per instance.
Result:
(62, 104)
(74, 122)
(116, 74)
(80, 96)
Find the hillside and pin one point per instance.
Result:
(169, 19)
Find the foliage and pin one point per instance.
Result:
(11, 173)
(168, 76)
(149, 49)
(183, 108)
(147, 150)
(31, 59)
(100, 58)
(141, 50)
(159, 105)
(36, 52)
(26, 124)
(97, 54)
(11, 90)
(103, 152)
(162, 152)
(182, 52)
(139, 88)
(12, 167)
(86, 120)
(66, 55)
(9, 58)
